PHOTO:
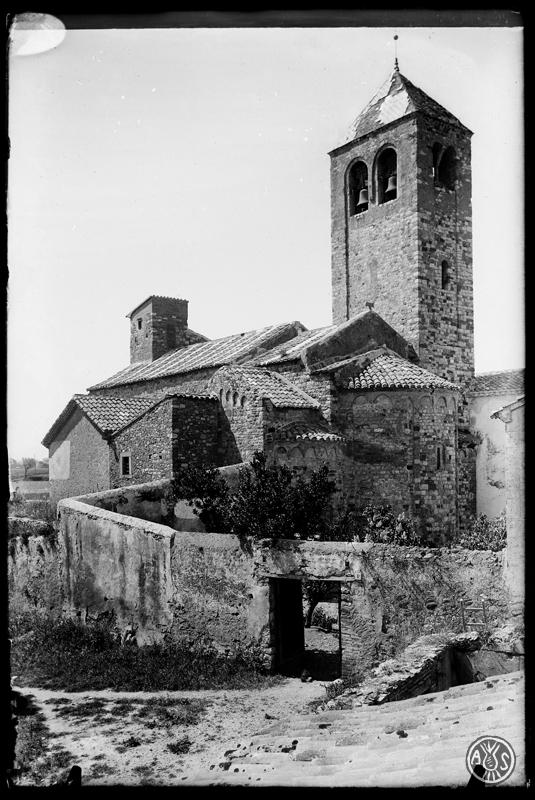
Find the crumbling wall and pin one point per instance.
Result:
(34, 568)
(113, 564)
(214, 588)
(218, 599)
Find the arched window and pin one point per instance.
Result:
(235, 398)
(387, 168)
(445, 275)
(447, 169)
(357, 187)
(228, 396)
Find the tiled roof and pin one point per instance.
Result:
(397, 98)
(111, 414)
(106, 413)
(315, 431)
(292, 349)
(389, 371)
(510, 381)
(204, 355)
(272, 386)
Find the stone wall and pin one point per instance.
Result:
(241, 418)
(116, 564)
(149, 442)
(88, 461)
(401, 451)
(34, 567)
(159, 325)
(195, 425)
(446, 315)
(375, 254)
(216, 589)
(218, 598)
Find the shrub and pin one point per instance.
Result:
(373, 523)
(268, 502)
(484, 533)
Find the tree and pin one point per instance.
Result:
(28, 463)
(268, 502)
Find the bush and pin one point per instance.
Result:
(484, 533)
(373, 523)
(268, 502)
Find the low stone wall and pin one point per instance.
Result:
(34, 568)
(148, 501)
(386, 590)
(432, 663)
(213, 588)
(114, 563)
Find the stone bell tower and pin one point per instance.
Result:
(401, 225)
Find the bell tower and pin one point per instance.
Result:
(401, 225)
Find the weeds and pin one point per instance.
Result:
(180, 746)
(70, 656)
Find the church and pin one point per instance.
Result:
(382, 395)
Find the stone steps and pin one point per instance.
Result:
(355, 750)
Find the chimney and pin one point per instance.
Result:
(157, 326)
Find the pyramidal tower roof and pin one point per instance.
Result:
(398, 98)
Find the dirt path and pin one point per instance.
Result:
(124, 737)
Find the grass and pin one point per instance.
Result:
(70, 656)
(37, 763)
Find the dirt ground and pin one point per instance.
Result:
(119, 738)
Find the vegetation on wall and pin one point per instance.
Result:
(485, 534)
(278, 502)
(268, 501)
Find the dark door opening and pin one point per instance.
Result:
(287, 629)
(305, 627)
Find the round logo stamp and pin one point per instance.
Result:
(490, 759)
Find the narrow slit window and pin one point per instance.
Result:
(445, 275)
(439, 461)
(139, 323)
(126, 465)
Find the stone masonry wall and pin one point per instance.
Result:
(163, 322)
(446, 316)
(375, 254)
(401, 451)
(149, 441)
(89, 460)
(195, 431)
(241, 419)
(385, 589)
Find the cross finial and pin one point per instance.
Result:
(396, 65)
(370, 305)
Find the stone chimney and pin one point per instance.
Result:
(157, 326)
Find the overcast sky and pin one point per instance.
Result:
(193, 163)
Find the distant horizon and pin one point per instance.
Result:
(193, 163)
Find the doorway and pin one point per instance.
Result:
(305, 627)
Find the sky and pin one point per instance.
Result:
(193, 163)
